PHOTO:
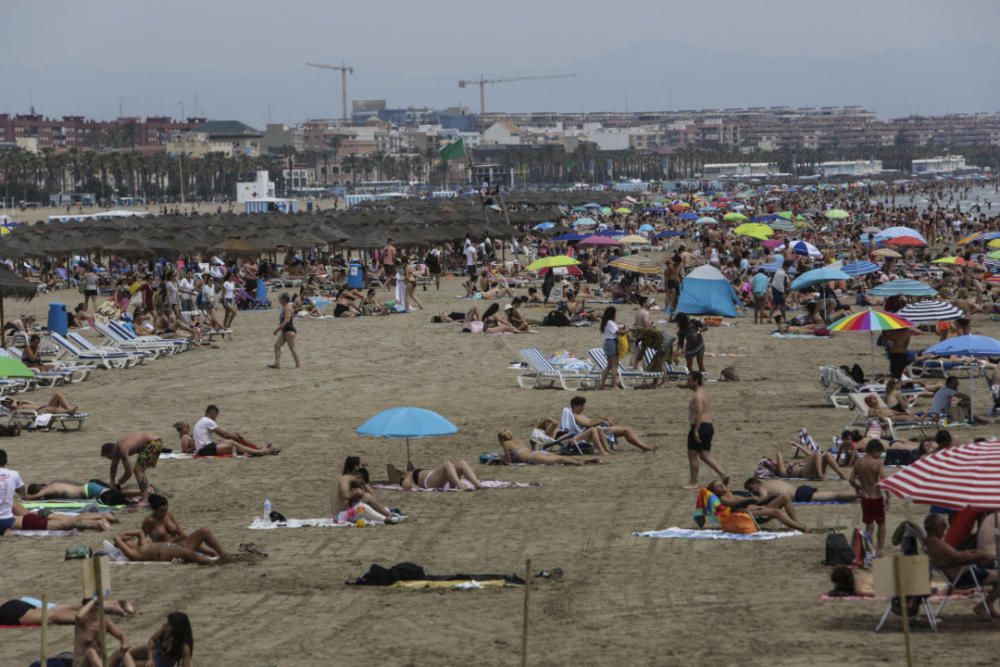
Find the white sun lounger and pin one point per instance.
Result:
(631, 378)
(543, 375)
(107, 359)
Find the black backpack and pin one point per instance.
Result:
(838, 550)
(556, 318)
(380, 576)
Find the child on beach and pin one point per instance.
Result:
(867, 472)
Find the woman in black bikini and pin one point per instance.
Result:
(28, 611)
(450, 473)
(285, 332)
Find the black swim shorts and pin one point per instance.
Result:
(705, 434)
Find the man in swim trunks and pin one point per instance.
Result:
(803, 493)
(701, 431)
(146, 448)
(162, 526)
(773, 507)
(210, 440)
(31, 521)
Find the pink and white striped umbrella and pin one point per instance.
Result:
(965, 476)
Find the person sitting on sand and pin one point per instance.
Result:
(28, 611)
(371, 306)
(347, 505)
(137, 547)
(57, 405)
(950, 561)
(345, 303)
(355, 470)
(785, 328)
(778, 506)
(172, 645)
(803, 493)
(92, 490)
(516, 450)
(575, 416)
(813, 466)
(450, 473)
(498, 292)
(162, 526)
(302, 304)
(210, 440)
(515, 318)
(494, 324)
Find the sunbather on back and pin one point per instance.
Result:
(763, 489)
(139, 548)
(516, 450)
(92, 490)
(449, 473)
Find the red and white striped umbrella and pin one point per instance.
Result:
(965, 476)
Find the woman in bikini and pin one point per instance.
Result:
(449, 473)
(516, 450)
(138, 548)
(410, 275)
(170, 646)
(28, 611)
(285, 332)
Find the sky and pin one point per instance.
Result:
(245, 59)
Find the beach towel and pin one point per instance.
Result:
(455, 584)
(795, 336)
(41, 533)
(486, 483)
(70, 506)
(934, 597)
(686, 534)
(708, 508)
(184, 456)
(42, 421)
(264, 524)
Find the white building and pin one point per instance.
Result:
(503, 133)
(260, 188)
(740, 170)
(939, 165)
(850, 168)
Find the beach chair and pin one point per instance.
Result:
(994, 386)
(70, 374)
(30, 419)
(631, 378)
(838, 385)
(543, 375)
(942, 368)
(915, 541)
(108, 360)
(88, 346)
(150, 349)
(125, 333)
(673, 372)
(892, 424)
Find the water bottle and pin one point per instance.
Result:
(267, 509)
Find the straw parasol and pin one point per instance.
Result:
(16, 287)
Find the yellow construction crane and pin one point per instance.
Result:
(344, 71)
(482, 81)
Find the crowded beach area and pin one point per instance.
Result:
(710, 417)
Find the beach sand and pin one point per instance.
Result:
(623, 599)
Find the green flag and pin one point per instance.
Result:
(454, 150)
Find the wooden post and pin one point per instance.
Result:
(524, 626)
(100, 609)
(898, 566)
(45, 630)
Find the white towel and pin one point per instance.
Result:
(41, 533)
(684, 533)
(42, 421)
(263, 524)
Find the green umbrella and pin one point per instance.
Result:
(837, 214)
(14, 368)
(734, 217)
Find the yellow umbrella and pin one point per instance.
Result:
(995, 243)
(634, 238)
(623, 210)
(552, 262)
(754, 230)
(734, 217)
(887, 252)
(994, 255)
(949, 260)
(637, 264)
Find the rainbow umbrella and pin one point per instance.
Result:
(871, 321)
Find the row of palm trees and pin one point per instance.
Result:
(157, 176)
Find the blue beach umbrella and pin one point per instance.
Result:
(668, 233)
(903, 287)
(817, 276)
(407, 422)
(967, 346)
(544, 225)
(584, 222)
(570, 236)
(861, 268)
(646, 228)
(689, 216)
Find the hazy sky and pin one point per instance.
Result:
(245, 59)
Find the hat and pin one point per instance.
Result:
(507, 306)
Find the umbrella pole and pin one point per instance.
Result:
(409, 466)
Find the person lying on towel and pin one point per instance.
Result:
(31, 521)
(762, 489)
(95, 489)
(28, 611)
(778, 507)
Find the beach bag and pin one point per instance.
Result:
(622, 345)
(729, 374)
(838, 551)
(738, 522)
(10, 430)
(555, 318)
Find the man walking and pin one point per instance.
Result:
(701, 432)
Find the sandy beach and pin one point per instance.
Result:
(623, 599)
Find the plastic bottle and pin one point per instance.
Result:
(267, 509)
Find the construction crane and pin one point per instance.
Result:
(483, 81)
(344, 71)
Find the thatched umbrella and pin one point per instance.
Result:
(16, 287)
(237, 246)
(130, 247)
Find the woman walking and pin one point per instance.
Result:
(691, 341)
(611, 331)
(410, 273)
(229, 300)
(285, 332)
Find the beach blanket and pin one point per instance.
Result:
(799, 336)
(263, 524)
(70, 506)
(41, 533)
(708, 508)
(486, 483)
(827, 502)
(686, 534)
(934, 597)
(457, 584)
(184, 456)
